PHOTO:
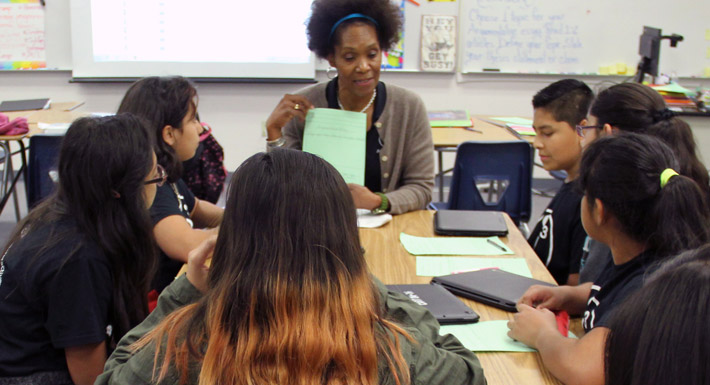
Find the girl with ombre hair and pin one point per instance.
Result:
(288, 298)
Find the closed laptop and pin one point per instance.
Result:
(493, 287)
(470, 223)
(445, 306)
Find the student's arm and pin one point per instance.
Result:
(85, 362)
(572, 299)
(206, 214)
(572, 361)
(176, 238)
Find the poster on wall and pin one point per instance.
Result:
(438, 51)
(22, 35)
(394, 58)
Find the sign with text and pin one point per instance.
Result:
(22, 35)
(438, 39)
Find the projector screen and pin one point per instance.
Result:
(205, 39)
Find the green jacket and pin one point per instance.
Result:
(434, 359)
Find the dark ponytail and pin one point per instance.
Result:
(632, 107)
(623, 171)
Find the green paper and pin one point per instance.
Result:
(437, 266)
(514, 120)
(674, 87)
(453, 245)
(338, 137)
(486, 336)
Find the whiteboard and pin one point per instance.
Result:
(580, 36)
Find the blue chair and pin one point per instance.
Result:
(42, 165)
(493, 176)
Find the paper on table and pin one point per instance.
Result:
(453, 245)
(486, 336)
(436, 266)
(338, 137)
(366, 219)
(514, 120)
(522, 130)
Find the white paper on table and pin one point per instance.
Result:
(368, 220)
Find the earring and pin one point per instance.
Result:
(332, 75)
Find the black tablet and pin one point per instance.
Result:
(445, 306)
(470, 223)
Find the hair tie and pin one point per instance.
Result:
(666, 175)
(348, 17)
(664, 114)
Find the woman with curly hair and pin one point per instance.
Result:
(351, 35)
(286, 303)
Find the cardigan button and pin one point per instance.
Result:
(384, 158)
(385, 175)
(378, 124)
(384, 190)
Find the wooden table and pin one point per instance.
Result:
(391, 263)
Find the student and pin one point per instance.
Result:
(660, 334)
(635, 203)
(632, 107)
(291, 305)
(558, 236)
(75, 271)
(351, 35)
(169, 106)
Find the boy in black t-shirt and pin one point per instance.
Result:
(560, 115)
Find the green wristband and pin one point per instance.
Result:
(384, 206)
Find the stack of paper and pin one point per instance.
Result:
(676, 97)
(450, 118)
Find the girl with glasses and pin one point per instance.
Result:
(74, 274)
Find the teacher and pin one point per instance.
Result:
(399, 162)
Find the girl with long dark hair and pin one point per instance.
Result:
(169, 107)
(288, 298)
(635, 202)
(75, 271)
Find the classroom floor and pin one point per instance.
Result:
(547, 186)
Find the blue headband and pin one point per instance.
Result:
(348, 17)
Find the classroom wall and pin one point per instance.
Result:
(237, 111)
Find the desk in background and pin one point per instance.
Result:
(57, 113)
(446, 139)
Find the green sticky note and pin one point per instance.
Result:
(436, 266)
(338, 137)
(453, 245)
(486, 336)
(513, 120)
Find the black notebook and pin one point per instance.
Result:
(445, 306)
(493, 287)
(470, 223)
(24, 105)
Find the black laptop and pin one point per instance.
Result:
(445, 306)
(493, 287)
(470, 223)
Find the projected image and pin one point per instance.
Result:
(206, 31)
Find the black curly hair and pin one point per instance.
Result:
(325, 13)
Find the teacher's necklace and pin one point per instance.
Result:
(372, 99)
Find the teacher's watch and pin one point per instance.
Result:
(384, 206)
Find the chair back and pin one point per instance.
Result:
(493, 176)
(42, 165)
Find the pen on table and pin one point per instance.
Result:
(472, 129)
(503, 249)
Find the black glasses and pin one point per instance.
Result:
(581, 129)
(162, 176)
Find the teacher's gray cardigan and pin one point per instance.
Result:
(407, 157)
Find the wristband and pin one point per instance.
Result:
(384, 206)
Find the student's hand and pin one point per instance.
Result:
(363, 197)
(528, 324)
(290, 106)
(196, 269)
(544, 297)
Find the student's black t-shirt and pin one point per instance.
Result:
(614, 284)
(558, 237)
(49, 301)
(167, 203)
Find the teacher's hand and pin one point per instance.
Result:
(363, 197)
(290, 106)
